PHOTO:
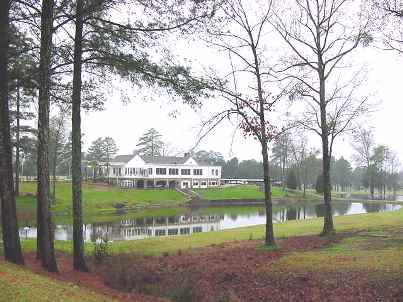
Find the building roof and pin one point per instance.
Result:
(162, 160)
(165, 160)
(122, 158)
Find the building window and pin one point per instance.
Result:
(197, 171)
(185, 171)
(173, 232)
(185, 231)
(161, 171)
(160, 233)
(150, 171)
(173, 171)
(195, 183)
(197, 229)
(216, 172)
(203, 183)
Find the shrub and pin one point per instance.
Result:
(101, 251)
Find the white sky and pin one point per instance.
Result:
(127, 122)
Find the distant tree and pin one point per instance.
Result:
(363, 144)
(211, 157)
(101, 151)
(311, 167)
(109, 149)
(230, 169)
(57, 139)
(341, 174)
(281, 154)
(96, 155)
(251, 169)
(292, 182)
(150, 143)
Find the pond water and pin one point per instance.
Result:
(207, 219)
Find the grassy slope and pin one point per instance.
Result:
(238, 192)
(20, 284)
(249, 192)
(99, 198)
(159, 246)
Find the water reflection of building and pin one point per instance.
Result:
(140, 228)
(136, 228)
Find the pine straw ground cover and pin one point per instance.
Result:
(360, 266)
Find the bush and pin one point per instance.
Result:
(101, 251)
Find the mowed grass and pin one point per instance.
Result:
(22, 285)
(163, 245)
(98, 198)
(238, 192)
(251, 192)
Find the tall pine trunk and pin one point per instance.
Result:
(45, 234)
(78, 240)
(11, 239)
(17, 144)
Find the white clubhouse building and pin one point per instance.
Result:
(163, 171)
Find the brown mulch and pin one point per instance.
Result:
(235, 272)
(238, 272)
(90, 281)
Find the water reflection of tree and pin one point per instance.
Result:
(341, 208)
(320, 210)
(291, 213)
(374, 207)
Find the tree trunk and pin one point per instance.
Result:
(11, 239)
(45, 235)
(269, 238)
(54, 172)
(78, 241)
(328, 227)
(267, 197)
(17, 144)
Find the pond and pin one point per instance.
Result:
(206, 219)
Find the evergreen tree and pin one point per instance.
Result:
(150, 143)
(292, 182)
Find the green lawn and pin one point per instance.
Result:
(248, 192)
(18, 284)
(98, 199)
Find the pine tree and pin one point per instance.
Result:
(150, 143)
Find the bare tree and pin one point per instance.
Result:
(391, 27)
(363, 144)
(244, 88)
(320, 35)
(11, 240)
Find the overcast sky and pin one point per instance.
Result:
(127, 122)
